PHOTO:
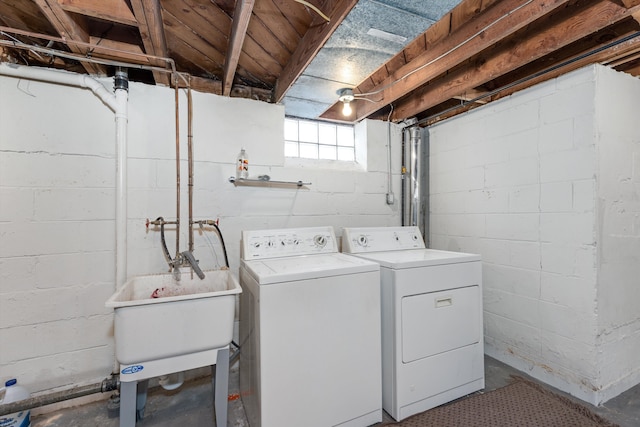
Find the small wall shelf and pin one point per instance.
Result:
(249, 182)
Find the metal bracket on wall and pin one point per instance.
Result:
(248, 182)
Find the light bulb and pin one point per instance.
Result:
(346, 109)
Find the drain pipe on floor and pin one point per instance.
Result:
(118, 103)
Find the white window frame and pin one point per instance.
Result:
(319, 144)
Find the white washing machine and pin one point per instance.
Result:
(432, 335)
(309, 331)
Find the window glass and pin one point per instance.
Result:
(308, 131)
(318, 140)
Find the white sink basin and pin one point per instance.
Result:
(191, 315)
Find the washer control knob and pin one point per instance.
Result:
(362, 240)
(320, 240)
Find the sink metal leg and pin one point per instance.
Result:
(220, 383)
(128, 404)
(141, 398)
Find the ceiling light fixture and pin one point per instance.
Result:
(346, 97)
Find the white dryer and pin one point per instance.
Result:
(309, 331)
(432, 335)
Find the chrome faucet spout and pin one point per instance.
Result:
(188, 256)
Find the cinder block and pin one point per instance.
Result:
(514, 173)
(513, 120)
(584, 195)
(556, 197)
(524, 199)
(517, 281)
(573, 229)
(513, 226)
(55, 237)
(570, 165)
(493, 200)
(524, 255)
(522, 339)
(449, 202)
(44, 171)
(568, 354)
(571, 101)
(75, 269)
(16, 204)
(343, 181)
(557, 136)
(18, 274)
(486, 152)
(557, 258)
(494, 251)
(570, 291)
(74, 204)
(569, 322)
(584, 131)
(517, 308)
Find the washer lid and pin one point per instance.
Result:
(413, 258)
(279, 270)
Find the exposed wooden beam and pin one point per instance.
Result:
(119, 51)
(573, 25)
(241, 17)
(149, 16)
(495, 23)
(313, 40)
(632, 3)
(604, 56)
(109, 10)
(215, 86)
(69, 29)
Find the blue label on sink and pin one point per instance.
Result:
(132, 369)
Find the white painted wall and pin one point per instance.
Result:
(541, 184)
(57, 208)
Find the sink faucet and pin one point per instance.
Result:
(188, 256)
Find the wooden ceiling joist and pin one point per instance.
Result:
(68, 28)
(241, 18)
(149, 17)
(313, 40)
(495, 23)
(573, 25)
(108, 10)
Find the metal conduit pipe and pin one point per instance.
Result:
(108, 384)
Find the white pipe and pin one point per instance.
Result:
(60, 77)
(121, 113)
(118, 104)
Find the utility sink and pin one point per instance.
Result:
(158, 317)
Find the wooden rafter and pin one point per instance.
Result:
(477, 34)
(241, 18)
(109, 10)
(71, 30)
(630, 4)
(572, 26)
(149, 16)
(313, 40)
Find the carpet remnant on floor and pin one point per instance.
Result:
(522, 403)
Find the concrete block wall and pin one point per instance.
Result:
(618, 190)
(519, 181)
(57, 208)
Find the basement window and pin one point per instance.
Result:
(309, 139)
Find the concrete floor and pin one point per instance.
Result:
(192, 405)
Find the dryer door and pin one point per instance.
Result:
(437, 322)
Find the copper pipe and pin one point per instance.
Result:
(190, 164)
(177, 102)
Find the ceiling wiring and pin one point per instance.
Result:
(318, 11)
